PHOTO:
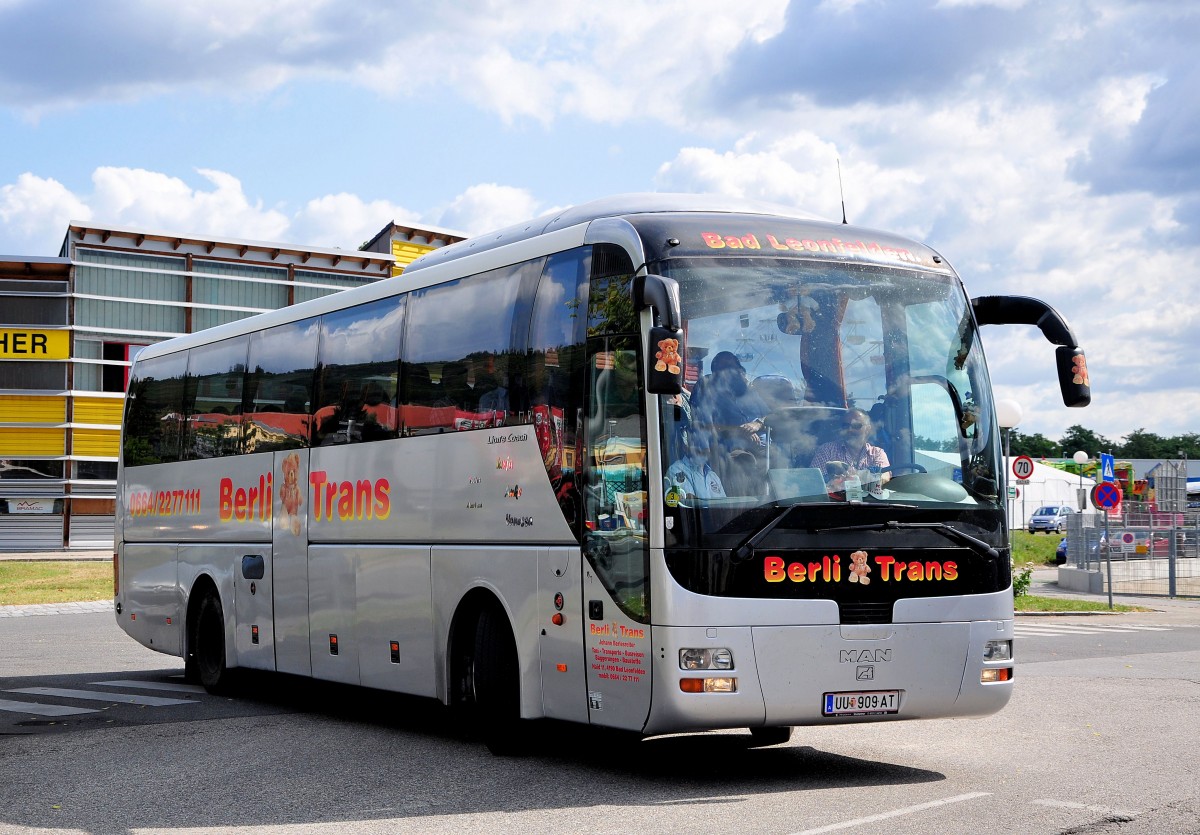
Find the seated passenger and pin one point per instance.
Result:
(724, 400)
(853, 453)
(692, 476)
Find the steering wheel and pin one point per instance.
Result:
(917, 468)
(920, 481)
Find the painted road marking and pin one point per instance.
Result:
(96, 696)
(43, 710)
(895, 813)
(1034, 630)
(152, 685)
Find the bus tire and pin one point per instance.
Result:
(497, 686)
(774, 735)
(208, 654)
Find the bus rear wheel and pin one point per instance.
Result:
(209, 649)
(496, 685)
(777, 735)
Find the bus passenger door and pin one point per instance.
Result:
(616, 566)
(289, 546)
(560, 615)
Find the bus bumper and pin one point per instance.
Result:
(784, 674)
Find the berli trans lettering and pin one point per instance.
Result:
(829, 570)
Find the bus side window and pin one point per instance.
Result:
(459, 353)
(359, 362)
(213, 399)
(279, 387)
(154, 411)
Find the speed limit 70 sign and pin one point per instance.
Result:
(1022, 466)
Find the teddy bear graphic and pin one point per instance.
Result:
(667, 356)
(290, 495)
(859, 568)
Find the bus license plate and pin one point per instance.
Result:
(862, 703)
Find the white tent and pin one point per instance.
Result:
(1047, 486)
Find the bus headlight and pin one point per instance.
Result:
(708, 685)
(705, 659)
(997, 651)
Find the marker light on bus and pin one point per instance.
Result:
(997, 651)
(705, 659)
(992, 675)
(708, 685)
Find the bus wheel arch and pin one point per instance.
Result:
(206, 659)
(485, 682)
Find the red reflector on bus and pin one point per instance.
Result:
(562, 668)
(116, 574)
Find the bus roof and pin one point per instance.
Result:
(620, 205)
(555, 232)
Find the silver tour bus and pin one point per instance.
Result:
(656, 463)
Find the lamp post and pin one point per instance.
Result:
(1008, 416)
(1080, 458)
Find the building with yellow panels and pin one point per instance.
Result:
(71, 325)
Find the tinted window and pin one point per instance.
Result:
(557, 334)
(460, 368)
(610, 307)
(154, 411)
(279, 388)
(359, 367)
(214, 399)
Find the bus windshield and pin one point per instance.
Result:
(836, 384)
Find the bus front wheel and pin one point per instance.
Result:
(497, 688)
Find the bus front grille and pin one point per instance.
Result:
(866, 612)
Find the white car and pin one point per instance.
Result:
(1050, 519)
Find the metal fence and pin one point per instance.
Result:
(1148, 552)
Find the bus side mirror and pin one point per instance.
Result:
(1020, 310)
(665, 349)
(1073, 376)
(661, 294)
(665, 360)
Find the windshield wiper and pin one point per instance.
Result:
(745, 550)
(976, 544)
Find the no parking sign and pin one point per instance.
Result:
(1106, 495)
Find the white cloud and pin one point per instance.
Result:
(345, 220)
(486, 207)
(136, 197)
(35, 211)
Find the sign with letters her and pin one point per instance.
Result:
(26, 344)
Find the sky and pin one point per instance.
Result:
(1048, 149)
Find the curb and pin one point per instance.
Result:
(35, 609)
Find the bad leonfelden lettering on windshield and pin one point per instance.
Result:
(829, 570)
(715, 240)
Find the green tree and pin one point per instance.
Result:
(1142, 444)
(1077, 438)
(1036, 445)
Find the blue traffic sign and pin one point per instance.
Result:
(1108, 469)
